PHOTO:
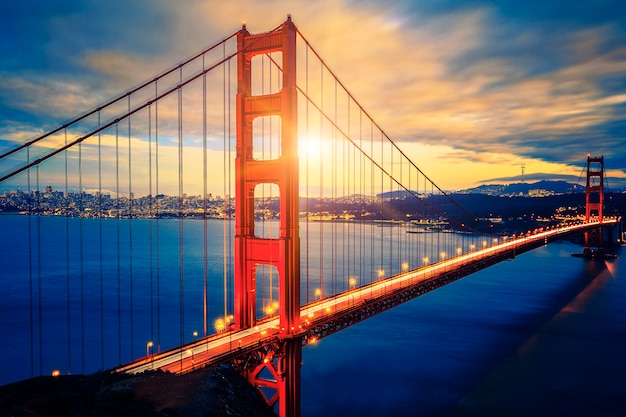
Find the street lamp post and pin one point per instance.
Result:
(352, 283)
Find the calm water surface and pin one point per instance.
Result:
(543, 334)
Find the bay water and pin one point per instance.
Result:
(543, 334)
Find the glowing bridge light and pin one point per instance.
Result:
(425, 260)
(458, 251)
(318, 293)
(381, 273)
(352, 282)
(405, 266)
(56, 373)
(442, 255)
(220, 325)
(148, 346)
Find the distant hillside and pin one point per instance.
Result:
(397, 194)
(522, 188)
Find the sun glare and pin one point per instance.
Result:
(311, 146)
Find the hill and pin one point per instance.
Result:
(522, 188)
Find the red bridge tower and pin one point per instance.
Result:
(283, 253)
(594, 201)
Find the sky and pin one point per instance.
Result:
(470, 90)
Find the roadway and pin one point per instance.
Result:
(225, 345)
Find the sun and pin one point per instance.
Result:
(310, 146)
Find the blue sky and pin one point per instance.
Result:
(470, 89)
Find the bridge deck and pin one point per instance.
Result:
(327, 316)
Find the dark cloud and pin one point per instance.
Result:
(51, 35)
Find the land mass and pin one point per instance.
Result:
(216, 391)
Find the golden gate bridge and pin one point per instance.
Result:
(333, 222)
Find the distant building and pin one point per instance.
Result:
(539, 193)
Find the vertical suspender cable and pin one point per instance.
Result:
(392, 201)
(205, 312)
(382, 207)
(271, 269)
(158, 229)
(226, 156)
(230, 229)
(81, 255)
(419, 247)
(400, 246)
(351, 240)
(30, 269)
(373, 204)
(150, 216)
(322, 203)
(401, 209)
(334, 194)
(181, 235)
(308, 197)
(435, 249)
(130, 239)
(67, 270)
(429, 248)
(39, 283)
(100, 246)
(361, 194)
(407, 242)
(119, 272)
(414, 243)
(343, 263)
(345, 165)
(437, 225)
(264, 204)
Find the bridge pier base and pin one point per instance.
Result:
(289, 378)
(275, 372)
